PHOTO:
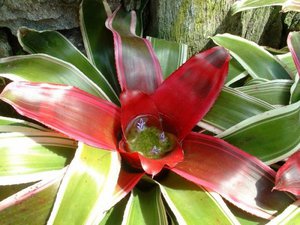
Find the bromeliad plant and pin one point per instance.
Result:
(140, 159)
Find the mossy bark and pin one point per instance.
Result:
(193, 21)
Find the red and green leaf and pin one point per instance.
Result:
(187, 95)
(237, 176)
(293, 42)
(69, 110)
(136, 63)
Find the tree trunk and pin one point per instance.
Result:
(193, 21)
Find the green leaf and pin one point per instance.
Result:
(8, 124)
(256, 60)
(145, 207)
(290, 216)
(56, 45)
(295, 90)
(45, 68)
(232, 107)
(242, 5)
(40, 154)
(115, 215)
(98, 40)
(32, 205)
(235, 73)
(276, 92)
(171, 55)
(288, 63)
(271, 136)
(191, 204)
(86, 190)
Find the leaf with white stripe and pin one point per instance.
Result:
(191, 204)
(290, 216)
(87, 188)
(145, 207)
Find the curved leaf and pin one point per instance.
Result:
(288, 63)
(86, 190)
(137, 65)
(235, 73)
(40, 154)
(232, 107)
(171, 55)
(288, 175)
(257, 61)
(290, 216)
(270, 136)
(187, 95)
(145, 207)
(242, 5)
(192, 204)
(67, 109)
(247, 182)
(32, 205)
(293, 42)
(56, 45)
(98, 40)
(45, 68)
(8, 124)
(295, 91)
(275, 92)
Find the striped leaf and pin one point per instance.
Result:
(295, 91)
(230, 108)
(290, 216)
(145, 207)
(191, 204)
(171, 55)
(271, 136)
(40, 154)
(45, 68)
(32, 205)
(86, 190)
(256, 60)
(56, 45)
(275, 92)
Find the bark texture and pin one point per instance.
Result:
(194, 21)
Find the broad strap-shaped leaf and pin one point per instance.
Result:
(69, 110)
(288, 63)
(56, 45)
(47, 69)
(33, 204)
(187, 95)
(295, 91)
(291, 5)
(242, 5)
(31, 155)
(257, 61)
(171, 55)
(293, 42)
(98, 40)
(290, 216)
(191, 204)
(271, 136)
(247, 182)
(275, 92)
(145, 207)
(230, 108)
(137, 66)
(86, 190)
(288, 176)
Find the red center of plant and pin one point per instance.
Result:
(145, 135)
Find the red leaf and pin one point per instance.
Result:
(293, 42)
(67, 109)
(239, 177)
(288, 176)
(186, 96)
(136, 63)
(126, 182)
